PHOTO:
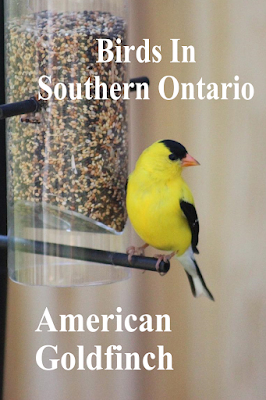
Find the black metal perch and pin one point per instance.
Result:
(85, 254)
(21, 107)
(32, 105)
(141, 79)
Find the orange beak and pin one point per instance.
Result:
(189, 161)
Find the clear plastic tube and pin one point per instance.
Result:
(67, 165)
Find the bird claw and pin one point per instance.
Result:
(132, 250)
(165, 258)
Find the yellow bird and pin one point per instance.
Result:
(161, 208)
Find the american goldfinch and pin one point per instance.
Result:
(161, 208)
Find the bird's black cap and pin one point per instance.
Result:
(176, 148)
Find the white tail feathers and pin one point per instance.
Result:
(201, 288)
(197, 283)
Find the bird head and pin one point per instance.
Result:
(166, 157)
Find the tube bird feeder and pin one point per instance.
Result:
(67, 163)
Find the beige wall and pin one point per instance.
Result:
(219, 349)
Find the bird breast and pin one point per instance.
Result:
(155, 213)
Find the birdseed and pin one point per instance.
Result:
(75, 159)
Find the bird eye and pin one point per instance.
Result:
(173, 157)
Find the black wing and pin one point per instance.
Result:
(191, 214)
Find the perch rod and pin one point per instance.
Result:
(85, 254)
(21, 107)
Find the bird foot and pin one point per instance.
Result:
(139, 251)
(165, 258)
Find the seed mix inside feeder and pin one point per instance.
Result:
(75, 160)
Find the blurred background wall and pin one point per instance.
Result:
(219, 349)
